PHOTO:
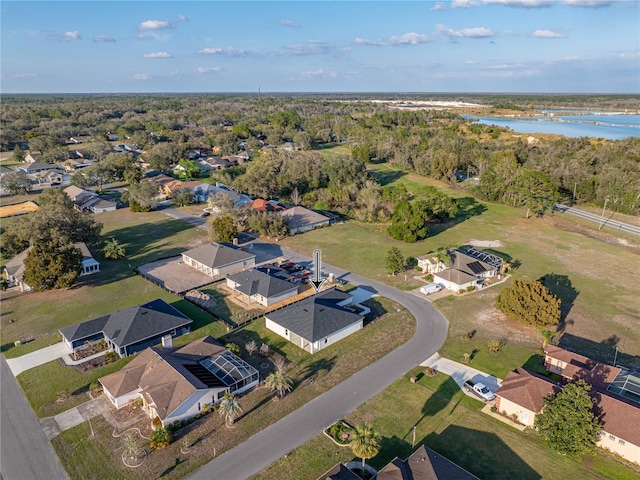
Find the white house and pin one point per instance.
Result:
(14, 269)
(254, 286)
(217, 260)
(176, 383)
(467, 269)
(300, 219)
(316, 322)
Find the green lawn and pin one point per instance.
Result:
(146, 237)
(449, 422)
(312, 375)
(594, 275)
(44, 385)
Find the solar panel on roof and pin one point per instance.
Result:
(476, 267)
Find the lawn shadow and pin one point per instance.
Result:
(311, 371)
(390, 448)
(385, 178)
(377, 310)
(604, 351)
(561, 287)
(468, 207)
(481, 453)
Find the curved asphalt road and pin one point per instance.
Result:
(265, 447)
(25, 452)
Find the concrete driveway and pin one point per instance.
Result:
(39, 357)
(461, 372)
(52, 426)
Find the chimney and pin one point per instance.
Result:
(167, 341)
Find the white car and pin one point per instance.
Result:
(430, 288)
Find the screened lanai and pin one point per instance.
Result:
(232, 371)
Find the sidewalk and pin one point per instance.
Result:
(460, 372)
(39, 357)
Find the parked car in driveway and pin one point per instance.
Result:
(430, 288)
(204, 214)
(479, 389)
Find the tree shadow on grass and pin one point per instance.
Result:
(603, 351)
(482, 453)
(313, 370)
(468, 207)
(561, 287)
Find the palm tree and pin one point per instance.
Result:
(113, 250)
(280, 382)
(230, 409)
(365, 443)
(441, 255)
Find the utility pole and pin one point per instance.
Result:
(575, 186)
(615, 357)
(603, 208)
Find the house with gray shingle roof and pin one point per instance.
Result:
(254, 286)
(14, 269)
(300, 219)
(218, 260)
(464, 271)
(130, 330)
(316, 322)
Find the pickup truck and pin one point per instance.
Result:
(479, 389)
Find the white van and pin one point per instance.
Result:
(430, 288)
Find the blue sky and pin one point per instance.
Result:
(580, 46)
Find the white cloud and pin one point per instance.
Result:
(75, 35)
(20, 75)
(182, 18)
(208, 70)
(155, 25)
(158, 55)
(140, 76)
(312, 47)
(437, 6)
(463, 3)
(289, 23)
(103, 38)
(547, 34)
(471, 62)
(316, 73)
(228, 51)
(411, 38)
(589, 3)
(476, 32)
(520, 3)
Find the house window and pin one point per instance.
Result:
(199, 406)
(612, 437)
(326, 340)
(621, 442)
(173, 332)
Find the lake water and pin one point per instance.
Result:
(595, 124)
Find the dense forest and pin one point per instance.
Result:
(435, 143)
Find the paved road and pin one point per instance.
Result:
(25, 452)
(592, 217)
(300, 426)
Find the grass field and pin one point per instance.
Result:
(146, 237)
(83, 457)
(593, 273)
(449, 422)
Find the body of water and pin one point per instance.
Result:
(599, 125)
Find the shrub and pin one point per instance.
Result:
(461, 291)
(429, 278)
(494, 346)
(95, 387)
(110, 356)
(466, 358)
(411, 262)
(470, 288)
(160, 438)
(138, 403)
